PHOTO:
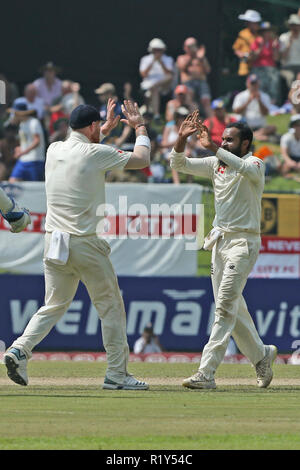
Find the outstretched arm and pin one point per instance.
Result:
(254, 169)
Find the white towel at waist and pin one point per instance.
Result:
(58, 251)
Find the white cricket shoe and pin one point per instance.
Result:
(16, 364)
(129, 383)
(264, 372)
(198, 381)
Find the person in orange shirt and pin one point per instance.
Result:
(242, 44)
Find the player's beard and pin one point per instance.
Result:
(95, 137)
(235, 150)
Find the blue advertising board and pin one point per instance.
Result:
(181, 310)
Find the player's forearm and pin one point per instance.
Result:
(231, 160)
(141, 153)
(35, 144)
(250, 170)
(189, 166)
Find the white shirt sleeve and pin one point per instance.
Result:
(145, 62)
(108, 158)
(35, 127)
(285, 140)
(192, 166)
(266, 100)
(138, 345)
(168, 62)
(238, 101)
(252, 167)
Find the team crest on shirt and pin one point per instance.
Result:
(256, 163)
(120, 151)
(222, 169)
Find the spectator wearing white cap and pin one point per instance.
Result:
(290, 148)
(183, 96)
(290, 50)
(194, 69)
(157, 71)
(242, 44)
(254, 105)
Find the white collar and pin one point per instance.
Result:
(79, 136)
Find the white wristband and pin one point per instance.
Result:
(143, 140)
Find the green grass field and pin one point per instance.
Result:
(65, 407)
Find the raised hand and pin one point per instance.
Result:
(205, 138)
(111, 120)
(132, 114)
(190, 125)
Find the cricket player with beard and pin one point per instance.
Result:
(238, 182)
(75, 188)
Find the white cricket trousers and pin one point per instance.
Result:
(233, 258)
(89, 262)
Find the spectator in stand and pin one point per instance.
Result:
(217, 123)
(264, 57)
(148, 343)
(33, 101)
(294, 95)
(194, 68)
(290, 148)
(69, 99)
(290, 50)
(169, 137)
(62, 106)
(242, 44)
(30, 155)
(105, 92)
(61, 130)
(10, 91)
(183, 96)
(49, 86)
(157, 72)
(7, 150)
(254, 105)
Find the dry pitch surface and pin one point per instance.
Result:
(64, 407)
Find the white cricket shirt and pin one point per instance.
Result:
(238, 187)
(75, 183)
(27, 130)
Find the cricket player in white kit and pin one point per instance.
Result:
(75, 188)
(238, 182)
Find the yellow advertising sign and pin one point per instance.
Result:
(280, 215)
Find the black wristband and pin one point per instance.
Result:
(140, 125)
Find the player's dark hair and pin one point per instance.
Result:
(245, 132)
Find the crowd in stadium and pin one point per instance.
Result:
(170, 88)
